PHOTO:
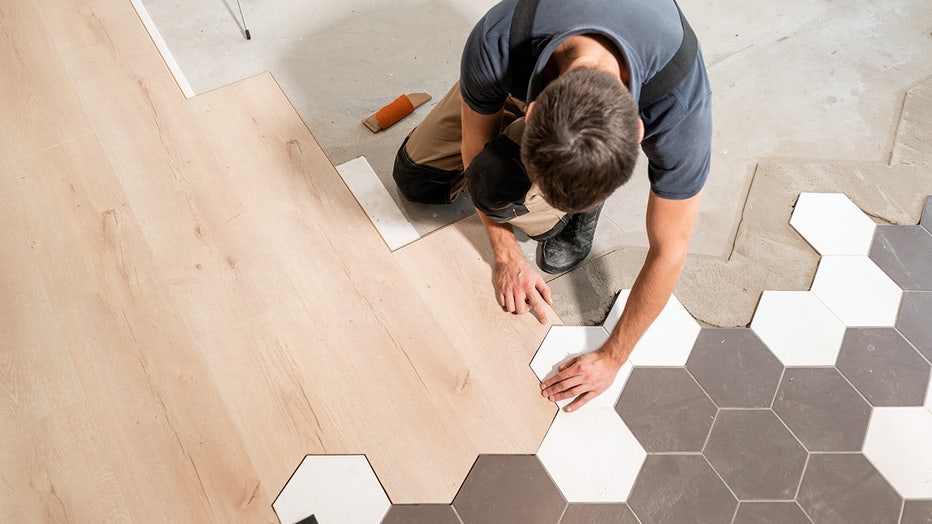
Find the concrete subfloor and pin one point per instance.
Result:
(808, 97)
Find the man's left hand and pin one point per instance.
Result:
(584, 377)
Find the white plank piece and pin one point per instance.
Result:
(857, 291)
(897, 443)
(388, 219)
(832, 224)
(333, 488)
(798, 328)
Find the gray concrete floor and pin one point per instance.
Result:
(803, 81)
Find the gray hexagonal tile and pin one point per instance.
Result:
(509, 488)
(845, 487)
(926, 220)
(735, 368)
(666, 410)
(914, 320)
(903, 252)
(577, 513)
(680, 489)
(755, 454)
(421, 514)
(884, 367)
(771, 513)
(917, 511)
(822, 409)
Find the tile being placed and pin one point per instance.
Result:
(857, 291)
(376, 201)
(845, 487)
(884, 367)
(903, 253)
(915, 321)
(508, 488)
(667, 342)
(917, 512)
(832, 224)
(735, 368)
(755, 454)
(822, 409)
(770, 513)
(421, 514)
(591, 455)
(598, 514)
(561, 344)
(798, 328)
(666, 410)
(899, 444)
(333, 488)
(672, 489)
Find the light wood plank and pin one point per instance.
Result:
(175, 451)
(40, 105)
(56, 470)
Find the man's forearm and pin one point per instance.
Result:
(502, 238)
(649, 295)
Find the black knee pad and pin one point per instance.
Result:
(423, 184)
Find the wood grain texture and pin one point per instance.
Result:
(39, 99)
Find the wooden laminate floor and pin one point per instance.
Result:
(191, 300)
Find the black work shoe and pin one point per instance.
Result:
(571, 246)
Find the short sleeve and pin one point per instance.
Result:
(484, 75)
(679, 153)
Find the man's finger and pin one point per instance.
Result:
(544, 290)
(559, 377)
(554, 392)
(537, 308)
(510, 302)
(521, 303)
(569, 393)
(579, 402)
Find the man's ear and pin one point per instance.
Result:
(527, 111)
(640, 130)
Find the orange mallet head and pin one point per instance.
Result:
(401, 107)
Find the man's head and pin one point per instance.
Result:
(581, 139)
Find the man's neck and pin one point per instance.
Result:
(592, 52)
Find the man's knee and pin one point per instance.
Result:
(422, 183)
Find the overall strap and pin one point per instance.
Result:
(676, 69)
(520, 55)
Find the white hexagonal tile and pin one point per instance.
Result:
(667, 342)
(592, 455)
(898, 444)
(798, 328)
(333, 488)
(832, 224)
(857, 291)
(565, 342)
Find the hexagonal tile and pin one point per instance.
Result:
(755, 454)
(899, 444)
(926, 220)
(798, 328)
(903, 252)
(845, 487)
(508, 488)
(334, 488)
(667, 342)
(884, 367)
(917, 512)
(666, 410)
(421, 514)
(735, 368)
(857, 291)
(770, 513)
(832, 224)
(913, 321)
(680, 488)
(591, 456)
(822, 409)
(561, 344)
(598, 514)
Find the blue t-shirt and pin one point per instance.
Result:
(678, 128)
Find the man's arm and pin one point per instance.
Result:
(518, 287)
(669, 228)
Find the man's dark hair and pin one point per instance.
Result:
(580, 142)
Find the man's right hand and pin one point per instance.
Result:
(520, 289)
